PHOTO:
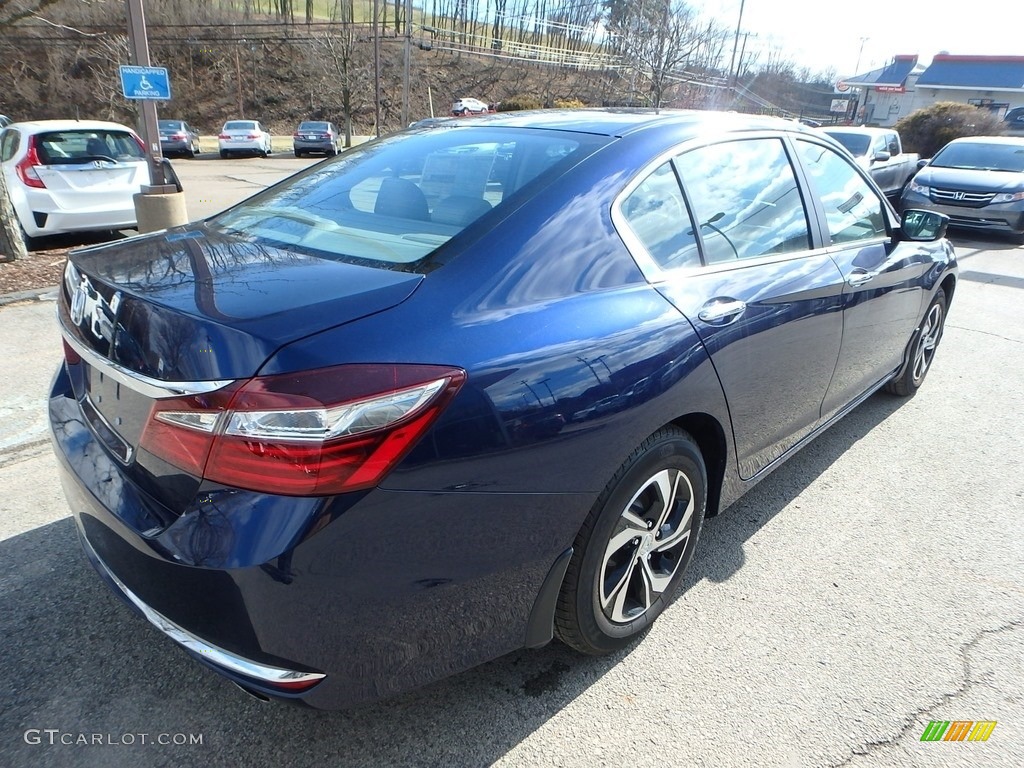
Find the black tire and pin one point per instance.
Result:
(297, 153)
(607, 600)
(31, 243)
(921, 350)
(223, 154)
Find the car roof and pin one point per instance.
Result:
(621, 122)
(39, 126)
(1011, 140)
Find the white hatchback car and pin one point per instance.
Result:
(72, 175)
(244, 137)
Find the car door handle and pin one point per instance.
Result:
(717, 310)
(860, 277)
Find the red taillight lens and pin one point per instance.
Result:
(253, 136)
(223, 136)
(327, 431)
(26, 167)
(179, 136)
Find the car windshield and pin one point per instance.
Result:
(856, 143)
(392, 202)
(982, 157)
(313, 126)
(240, 125)
(84, 146)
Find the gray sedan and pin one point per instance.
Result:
(315, 136)
(977, 181)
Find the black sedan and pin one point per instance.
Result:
(466, 388)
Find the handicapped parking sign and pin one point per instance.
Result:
(145, 83)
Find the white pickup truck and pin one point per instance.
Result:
(879, 151)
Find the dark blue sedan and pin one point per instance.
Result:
(467, 388)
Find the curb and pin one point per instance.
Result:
(34, 294)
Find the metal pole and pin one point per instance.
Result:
(139, 47)
(376, 68)
(408, 57)
(735, 45)
(856, 69)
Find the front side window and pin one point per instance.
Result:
(394, 201)
(656, 212)
(853, 210)
(745, 199)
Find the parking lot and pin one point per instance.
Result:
(872, 584)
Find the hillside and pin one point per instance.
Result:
(228, 60)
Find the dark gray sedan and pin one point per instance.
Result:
(977, 181)
(179, 138)
(315, 136)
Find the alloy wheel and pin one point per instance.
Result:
(646, 549)
(931, 330)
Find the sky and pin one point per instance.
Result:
(826, 34)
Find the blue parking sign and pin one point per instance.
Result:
(145, 83)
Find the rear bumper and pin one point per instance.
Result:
(175, 146)
(241, 146)
(45, 217)
(321, 145)
(380, 591)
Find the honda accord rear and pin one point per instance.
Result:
(434, 400)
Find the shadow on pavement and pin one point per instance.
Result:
(73, 658)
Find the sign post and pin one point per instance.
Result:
(139, 47)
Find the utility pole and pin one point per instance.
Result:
(139, 48)
(408, 57)
(856, 69)
(735, 45)
(376, 67)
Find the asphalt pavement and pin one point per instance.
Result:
(871, 585)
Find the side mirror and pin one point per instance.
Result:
(924, 226)
(922, 163)
(881, 156)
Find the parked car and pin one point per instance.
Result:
(388, 419)
(315, 136)
(978, 182)
(244, 137)
(177, 137)
(72, 175)
(469, 107)
(879, 151)
(1014, 119)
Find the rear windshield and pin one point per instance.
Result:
(856, 143)
(171, 125)
(84, 146)
(392, 202)
(313, 126)
(240, 125)
(984, 157)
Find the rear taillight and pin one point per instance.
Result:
(179, 136)
(223, 136)
(253, 136)
(26, 167)
(327, 431)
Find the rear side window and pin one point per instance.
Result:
(745, 199)
(852, 209)
(394, 201)
(84, 146)
(656, 212)
(9, 142)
